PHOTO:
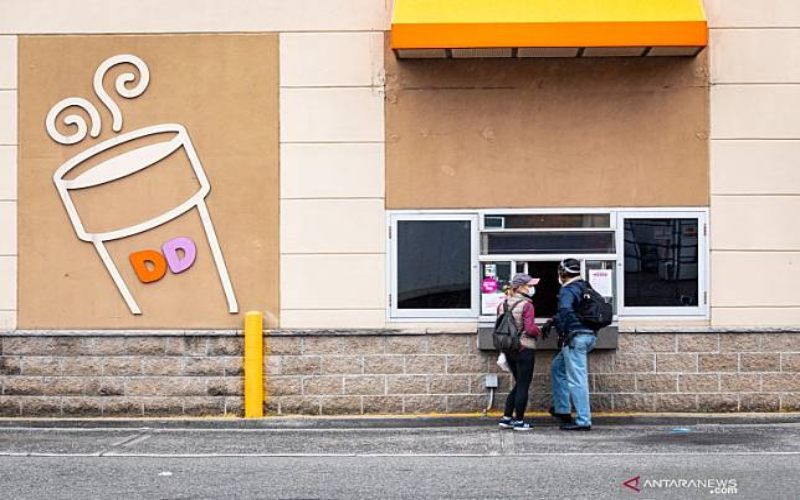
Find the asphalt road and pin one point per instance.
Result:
(762, 460)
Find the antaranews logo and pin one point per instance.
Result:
(633, 484)
(712, 485)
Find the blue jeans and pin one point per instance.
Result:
(569, 376)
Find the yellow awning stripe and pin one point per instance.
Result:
(426, 24)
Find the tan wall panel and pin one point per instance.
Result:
(755, 223)
(8, 289)
(332, 318)
(755, 167)
(8, 117)
(8, 173)
(752, 13)
(755, 316)
(540, 133)
(204, 82)
(342, 114)
(755, 56)
(755, 112)
(8, 62)
(355, 281)
(8, 228)
(332, 226)
(755, 279)
(331, 59)
(334, 170)
(8, 320)
(180, 16)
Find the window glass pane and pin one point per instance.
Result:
(495, 276)
(545, 301)
(661, 262)
(433, 265)
(603, 277)
(545, 221)
(547, 242)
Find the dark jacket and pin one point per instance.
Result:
(566, 319)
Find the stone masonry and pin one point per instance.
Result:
(351, 373)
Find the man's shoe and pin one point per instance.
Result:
(519, 425)
(506, 423)
(575, 427)
(564, 418)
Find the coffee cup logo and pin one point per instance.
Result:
(127, 155)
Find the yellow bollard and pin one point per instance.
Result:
(253, 365)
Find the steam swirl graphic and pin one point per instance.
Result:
(74, 120)
(121, 86)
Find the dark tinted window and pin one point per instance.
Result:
(661, 262)
(546, 221)
(545, 301)
(547, 242)
(434, 265)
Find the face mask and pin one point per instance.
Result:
(531, 291)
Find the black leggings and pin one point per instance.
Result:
(521, 365)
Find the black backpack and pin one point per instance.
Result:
(506, 333)
(593, 310)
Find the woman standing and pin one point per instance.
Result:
(521, 361)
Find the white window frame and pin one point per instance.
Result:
(699, 311)
(616, 222)
(550, 257)
(427, 314)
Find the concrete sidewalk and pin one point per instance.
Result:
(400, 457)
(400, 421)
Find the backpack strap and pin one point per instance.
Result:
(520, 326)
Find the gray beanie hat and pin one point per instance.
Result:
(523, 279)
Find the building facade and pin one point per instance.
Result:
(165, 168)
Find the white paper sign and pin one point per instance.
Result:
(601, 280)
(490, 302)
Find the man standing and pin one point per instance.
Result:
(569, 371)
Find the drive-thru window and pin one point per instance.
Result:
(451, 265)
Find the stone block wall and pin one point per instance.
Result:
(649, 372)
(110, 375)
(351, 373)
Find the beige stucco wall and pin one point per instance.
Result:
(755, 150)
(333, 251)
(8, 182)
(332, 154)
(181, 16)
(331, 139)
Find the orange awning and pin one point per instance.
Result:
(548, 28)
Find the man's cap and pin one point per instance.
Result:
(570, 266)
(523, 279)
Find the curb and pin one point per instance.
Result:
(395, 421)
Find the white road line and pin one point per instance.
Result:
(138, 440)
(278, 430)
(393, 455)
(489, 428)
(124, 440)
(32, 454)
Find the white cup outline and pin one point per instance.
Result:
(119, 171)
